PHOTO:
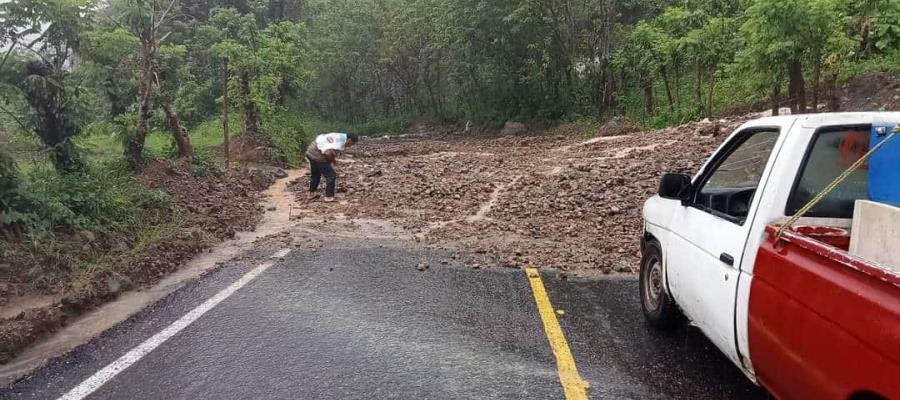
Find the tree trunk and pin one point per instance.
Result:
(698, 86)
(179, 132)
(225, 118)
(792, 91)
(797, 87)
(834, 103)
(252, 128)
(118, 105)
(677, 82)
(134, 151)
(710, 103)
(776, 89)
(649, 106)
(665, 77)
(429, 87)
(816, 77)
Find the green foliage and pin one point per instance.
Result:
(205, 163)
(378, 125)
(49, 88)
(9, 171)
(474, 60)
(289, 135)
(103, 198)
(889, 63)
(390, 124)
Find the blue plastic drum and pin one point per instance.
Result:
(884, 167)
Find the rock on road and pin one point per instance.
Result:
(355, 319)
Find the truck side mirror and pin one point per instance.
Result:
(673, 186)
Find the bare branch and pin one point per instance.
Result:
(162, 17)
(164, 37)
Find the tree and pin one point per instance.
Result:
(146, 19)
(111, 56)
(412, 56)
(830, 47)
(351, 80)
(877, 25)
(643, 57)
(709, 48)
(169, 74)
(238, 39)
(776, 39)
(48, 33)
(265, 63)
(675, 22)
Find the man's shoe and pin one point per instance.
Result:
(328, 199)
(312, 196)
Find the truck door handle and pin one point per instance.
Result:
(727, 259)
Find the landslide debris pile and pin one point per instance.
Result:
(220, 202)
(549, 201)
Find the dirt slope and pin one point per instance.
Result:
(874, 91)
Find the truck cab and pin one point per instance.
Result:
(703, 236)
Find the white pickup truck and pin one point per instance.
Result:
(797, 314)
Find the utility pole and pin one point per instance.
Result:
(225, 119)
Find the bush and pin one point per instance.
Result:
(204, 162)
(289, 134)
(889, 63)
(103, 198)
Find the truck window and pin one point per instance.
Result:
(728, 190)
(832, 151)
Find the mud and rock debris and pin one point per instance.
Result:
(543, 200)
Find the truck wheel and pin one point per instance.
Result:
(659, 309)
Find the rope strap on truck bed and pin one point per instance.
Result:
(834, 184)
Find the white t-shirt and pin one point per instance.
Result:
(331, 141)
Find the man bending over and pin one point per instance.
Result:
(322, 155)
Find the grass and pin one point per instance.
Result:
(288, 132)
(101, 141)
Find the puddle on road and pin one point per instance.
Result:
(96, 322)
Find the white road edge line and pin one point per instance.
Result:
(281, 253)
(110, 371)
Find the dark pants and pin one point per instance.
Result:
(316, 170)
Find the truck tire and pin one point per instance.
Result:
(660, 310)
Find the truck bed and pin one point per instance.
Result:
(819, 313)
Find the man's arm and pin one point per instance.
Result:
(331, 156)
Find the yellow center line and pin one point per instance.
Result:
(574, 387)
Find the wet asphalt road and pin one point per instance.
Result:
(355, 320)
